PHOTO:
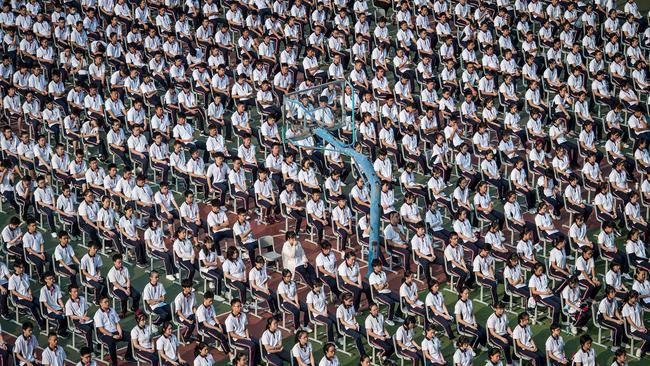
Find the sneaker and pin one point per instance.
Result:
(484, 349)
(538, 247)
(638, 353)
(245, 308)
(613, 349)
(211, 285)
(170, 278)
(390, 322)
(627, 276)
(398, 319)
(219, 298)
(574, 330)
(53, 235)
(307, 329)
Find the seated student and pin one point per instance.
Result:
(609, 316)
(632, 314)
(271, 343)
(190, 215)
(579, 311)
(154, 240)
(408, 293)
(35, 248)
(154, 295)
(608, 248)
(523, 336)
(342, 221)
(351, 279)
(258, 279)
(541, 292)
(317, 306)
(483, 268)
(466, 319)
(52, 305)
(437, 310)
(555, 347)
(382, 293)
(65, 260)
(378, 336)
(588, 278)
(131, 236)
(614, 278)
(395, 238)
(184, 252)
(234, 271)
(289, 301)
(326, 267)
(119, 281)
(525, 249)
(185, 305)
(422, 247)
(404, 339)
(635, 249)
(295, 260)
(265, 197)
(208, 324)
(558, 268)
(586, 355)
(12, 236)
(243, 233)
(76, 310)
(499, 332)
(167, 347)
(346, 318)
(464, 354)
(18, 287)
(469, 238)
(110, 332)
(433, 219)
(642, 286)
(292, 205)
(25, 345)
(142, 340)
(456, 263)
(218, 223)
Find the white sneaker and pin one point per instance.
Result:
(53, 235)
(211, 285)
(627, 276)
(390, 322)
(170, 277)
(638, 353)
(538, 247)
(613, 349)
(574, 330)
(219, 298)
(398, 319)
(307, 329)
(245, 308)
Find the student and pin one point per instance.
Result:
(499, 332)
(52, 305)
(208, 324)
(555, 347)
(238, 332)
(271, 344)
(289, 301)
(142, 340)
(110, 332)
(25, 345)
(525, 345)
(609, 316)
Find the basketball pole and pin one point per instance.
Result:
(367, 169)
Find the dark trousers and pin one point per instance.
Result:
(390, 299)
(60, 319)
(39, 263)
(99, 289)
(49, 213)
(216, 275)
(446, 324)
(252, 346)
(416, 357)
(537, 357)
(358, 336)
(164, 314)
(591, 290)
(356, 292)
(278, 358)
(479, 334)
(167, 258)
(87, 330)
(297, 215)
(307, 273)
(241, 288)
(33, 308)
(329, 322)
(111, 344)
(505, 346)
(492, 285)
(295, 310)
(619, 331)
(464, 278)
(189, 325)
(404, 253)
(386, 347)
(331, 283)
(64, 271)
(552, 302)
(124, 298)
(152, 357)
(218, 237)
(270, 298)
(426, 267)
(138, 248)
(189, 267)
(217, 337)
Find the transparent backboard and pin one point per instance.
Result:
(331, 106)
